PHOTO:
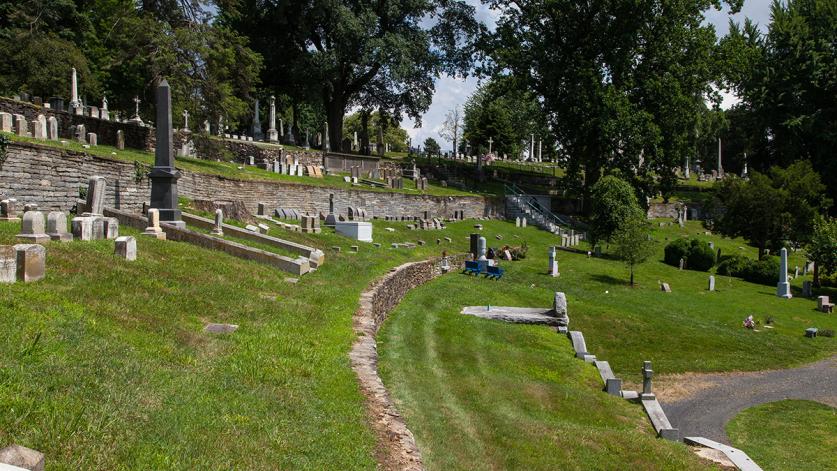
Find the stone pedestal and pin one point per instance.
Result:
(57, 227)
(32, 228)
(8, 264)
(31, 262)
(361, 231)
(126, 247)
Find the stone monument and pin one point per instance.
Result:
(783, 289)
(164, 175)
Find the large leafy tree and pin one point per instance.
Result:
(350, 52)
(771, 209)
(620, 80)
(822, 248)
(507, 115)
(787, 84)
(633, 243)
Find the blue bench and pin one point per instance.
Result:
(472, 268)
(494, 272)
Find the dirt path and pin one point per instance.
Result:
(701, 405)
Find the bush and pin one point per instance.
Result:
(698, 254)
(734, 265)
(764, 271)
(676, 250)
(701, 257)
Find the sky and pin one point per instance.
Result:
(451, 91)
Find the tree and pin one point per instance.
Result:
(394, 134)
(383, 54)
(431, 147)
(619, 80)
(613, 204)
(507, 115)
(771, 209)
(822, 249)
(787, 85)
(632, 242)
(452, 127)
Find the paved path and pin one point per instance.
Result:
(707, 412)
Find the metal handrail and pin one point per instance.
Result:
(533, 203)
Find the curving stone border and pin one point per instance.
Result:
(396, 448)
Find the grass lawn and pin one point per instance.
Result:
(484, 394)
(797, 435)
(231, 170)
(104, 365)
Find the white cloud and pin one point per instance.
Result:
(451, 91)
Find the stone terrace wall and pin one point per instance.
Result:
(52, 176)
(136, 137)
(242, 150)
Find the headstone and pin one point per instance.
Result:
(474, 246)
(6, 122)
(153, 228)
(711, 283)
(111, 228)
(82, 228)
(95, 201)
(218, 227)
(31, 262)
(481, 249)
(783, 289)
(807, 292)
(261, 209)
(8, 210)
(32, 229)
(164, 175)
(523, 222)
(80, 133)
(517, 221)
(665, 287)
(8, 264)
(553, 262)
(21, 127)
(22, 458)
(120, 139)
(52, 128)
(38, 130)
(647, 373)
(559, 308)
(682, 262)
(126, 247)
(57, 227)
(98, 228)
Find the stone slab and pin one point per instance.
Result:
(580, 347)
(22, 457)
(738, 457)
(220, 328)
(515, 315)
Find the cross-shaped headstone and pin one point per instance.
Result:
(490, 141)
(137, 101)
(185, 119)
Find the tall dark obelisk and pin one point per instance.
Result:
(164, 175)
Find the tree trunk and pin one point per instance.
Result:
(335, 109)
(364, 132)
(816, 274)
(632, 276)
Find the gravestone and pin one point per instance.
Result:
(6, 122)
(8, 210)
(783, 289)
(38, 130)
(559, 309)
(665, 287)
(261, 209)
(95, 201)
(153, 229)
(98, 228)
(553, 262)
(120, 139)
(517, 221)
(57, 227)
(647, 373)
(523, 222)
(474, 245)
(218, 227)
(92, 139)
(711, 283)
(32, 229)
(807, 292)
(21, 128)
(80, 133)
(682, 263)
(8, 264)
(52, 128)
(126, 247)
(481, 249)
(164, 175)
(82, 228)
(31, 262)
(111, 228)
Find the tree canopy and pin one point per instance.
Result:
(613, 203)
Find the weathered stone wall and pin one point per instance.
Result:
(52, 177)
(397, 447)
(243, 150)
(136, 137)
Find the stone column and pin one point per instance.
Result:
(647, 373)
(686, 169)
(553, 263)
(75, 104)
(783, 289)
(218, 228)
(481, 249)
(272, 134)
(326, 140)
(164, 175)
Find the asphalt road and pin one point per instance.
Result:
(706, 413)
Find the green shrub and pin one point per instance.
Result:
(701, 257)
(734, 265)
(764, 271)
(676, 250)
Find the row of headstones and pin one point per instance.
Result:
(421, 183)
(519, 222)
(284, 168)
(238, 137)
(42, 127)
(427, 224)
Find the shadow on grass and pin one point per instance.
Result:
(611, 280)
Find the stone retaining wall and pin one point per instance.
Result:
(51, 177)
(396, 445)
